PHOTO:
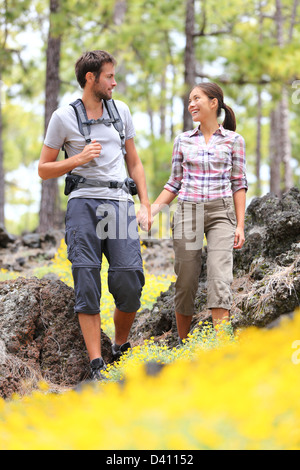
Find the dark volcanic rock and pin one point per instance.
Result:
(5, 237)
(40, 332)
(272, 226)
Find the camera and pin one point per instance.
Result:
(131, 186)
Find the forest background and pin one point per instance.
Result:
(251, 49)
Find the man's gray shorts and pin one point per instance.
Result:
(95, 227)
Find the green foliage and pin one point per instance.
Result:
(157, 158)
(22, 133)
(236, 45)
(27, 221)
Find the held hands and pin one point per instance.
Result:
(90, 152)
(148, 212)
(145, 218)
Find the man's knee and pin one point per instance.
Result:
(87, 287)
(126, 288)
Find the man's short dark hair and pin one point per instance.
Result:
(92, 62)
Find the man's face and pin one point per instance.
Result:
(103, 87)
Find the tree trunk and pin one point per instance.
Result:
(258, 144)
(49, 208)
(189, 62)
(275, 153)
(119, 15)
(259, 114)
(120, 12)
(163, 104)
(2, 184)
(286, 147)
(282, 136)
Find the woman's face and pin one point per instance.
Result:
(200, 106)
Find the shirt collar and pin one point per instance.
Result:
(221, 131)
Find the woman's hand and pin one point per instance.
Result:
(239, 238)
(239, 198)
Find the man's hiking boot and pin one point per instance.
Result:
(118, 351)
(97, 366)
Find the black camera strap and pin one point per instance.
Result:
(75, 182)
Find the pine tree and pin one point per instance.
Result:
(49, 209)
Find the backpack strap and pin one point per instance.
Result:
(116, 120)
(84, 124)
(82, 119)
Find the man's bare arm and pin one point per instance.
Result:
(50, 168)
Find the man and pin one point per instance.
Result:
(98, 216)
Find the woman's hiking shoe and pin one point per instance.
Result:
(97, 366)
(118, 351)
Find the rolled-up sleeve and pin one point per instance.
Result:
(238, 175)
(55, 135)
(174, 183)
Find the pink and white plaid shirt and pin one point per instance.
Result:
(201, 173)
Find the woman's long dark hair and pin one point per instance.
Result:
(212, 91)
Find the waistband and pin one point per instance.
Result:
(224, 202)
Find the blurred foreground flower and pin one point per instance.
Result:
(241, 395)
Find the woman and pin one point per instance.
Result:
(208, 176)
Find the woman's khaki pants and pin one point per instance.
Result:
(215, 219)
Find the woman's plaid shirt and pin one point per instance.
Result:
(201, 173)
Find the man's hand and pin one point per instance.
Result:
(90, 152)
(144, 217)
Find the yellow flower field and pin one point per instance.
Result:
(242, 395)
(212, 393)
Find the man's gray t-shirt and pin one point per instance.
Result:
(109, 166)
